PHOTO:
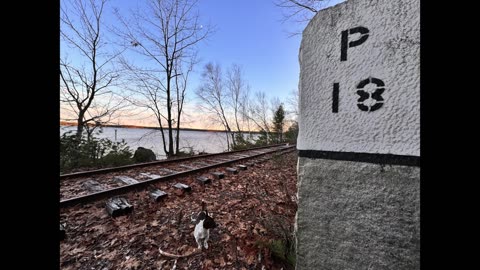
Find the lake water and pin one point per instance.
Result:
(199, 141)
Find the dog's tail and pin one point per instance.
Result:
(170, 255)
(204, 206)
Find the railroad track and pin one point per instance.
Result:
(88, 186)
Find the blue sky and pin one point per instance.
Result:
(249, 33)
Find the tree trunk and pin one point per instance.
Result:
(238, 126)
(163, 135)
(169, 118)
(281, 134)
(177, 139)
(179, 113)
(229, 130)
(228, 143)
(80, 125)
(233, 139)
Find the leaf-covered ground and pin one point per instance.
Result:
(252, 209)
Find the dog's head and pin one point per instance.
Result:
(209, 223)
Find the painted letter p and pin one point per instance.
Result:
(363, 31)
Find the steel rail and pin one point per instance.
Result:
(158, 162)
(123, 189)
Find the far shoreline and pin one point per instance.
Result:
(63, 123)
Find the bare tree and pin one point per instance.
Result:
(292, 102)
(258, 112)
(165, 33)
(86, 83)
(238, 92)
(244, 109)
(213, 97)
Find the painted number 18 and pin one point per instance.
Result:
(367, 102)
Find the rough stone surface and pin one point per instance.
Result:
(354, 215)
(390, 53)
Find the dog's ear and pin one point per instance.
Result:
(201, 216)
(204, 206)
(209, 223)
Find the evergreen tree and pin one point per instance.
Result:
(278, 123)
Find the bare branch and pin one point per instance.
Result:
(302, 5)
(299, 11)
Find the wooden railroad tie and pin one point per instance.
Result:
(93, 186)
(240, 156)
(157, 194)
(204, 180)
(218, 175)
(183, 187)
(188, 167)
(242, 167)
(118, 206)
(201, 163)
(125, 180)
(231, 170)
(168, 171)
(150, 175)
(223, 159)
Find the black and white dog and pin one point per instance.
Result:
(202, 229)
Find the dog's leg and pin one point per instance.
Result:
(205, 244)
(199, 243)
